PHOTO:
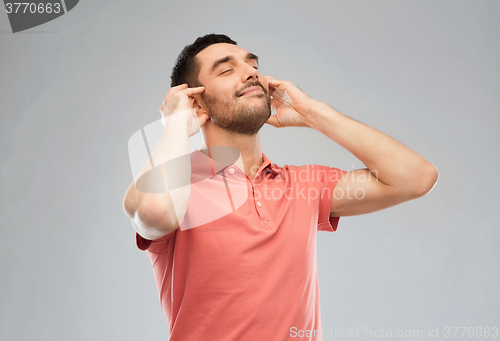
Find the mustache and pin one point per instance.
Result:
(249, 85)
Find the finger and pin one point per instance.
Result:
(194, 91)
(177, 88)
(269, 80)
(276, 102)
(273, 82)
(162, 111)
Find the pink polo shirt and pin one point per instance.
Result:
(242, 265)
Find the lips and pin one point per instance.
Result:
(252, 90)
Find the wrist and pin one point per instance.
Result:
(177, 124)
(320, 115)
(178, 118)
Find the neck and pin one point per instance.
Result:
(249, 147)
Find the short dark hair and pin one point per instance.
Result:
(186, 67)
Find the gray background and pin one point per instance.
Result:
(75, 89)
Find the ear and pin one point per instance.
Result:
(198, 105)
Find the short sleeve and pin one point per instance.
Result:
(329, 179)
(158, 246)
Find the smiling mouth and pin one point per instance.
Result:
(252, 91)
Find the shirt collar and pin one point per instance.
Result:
(205, 167)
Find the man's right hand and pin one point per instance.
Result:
(179, 101)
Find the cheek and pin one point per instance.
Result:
(263, 81)
(222, 89)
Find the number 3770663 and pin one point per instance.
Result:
(31, 7)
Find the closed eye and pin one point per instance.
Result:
(228, 70)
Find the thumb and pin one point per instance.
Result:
(203, 118)
(272, 121)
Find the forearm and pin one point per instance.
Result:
(390, 161)
(161, 213)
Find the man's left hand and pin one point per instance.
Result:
(292, 105)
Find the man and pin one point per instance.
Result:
(234, 253)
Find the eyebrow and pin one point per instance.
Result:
(249, 56)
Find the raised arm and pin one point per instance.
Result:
(153, 214)
(394, 172)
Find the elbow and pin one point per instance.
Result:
(156, 218)
(153, 216)
(129, 208)
(429, 179)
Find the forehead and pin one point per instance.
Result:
(214, 52)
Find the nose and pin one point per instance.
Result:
(250, 73)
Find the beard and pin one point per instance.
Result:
(238, 116)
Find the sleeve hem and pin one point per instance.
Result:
(158, 246)
(141, 242)
(330, 225)
(325, 222)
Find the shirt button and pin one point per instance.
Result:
(231, 170)
(259, 203)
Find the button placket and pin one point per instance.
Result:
(258, 198)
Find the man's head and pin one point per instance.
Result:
(187, 66)
(236, 96)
